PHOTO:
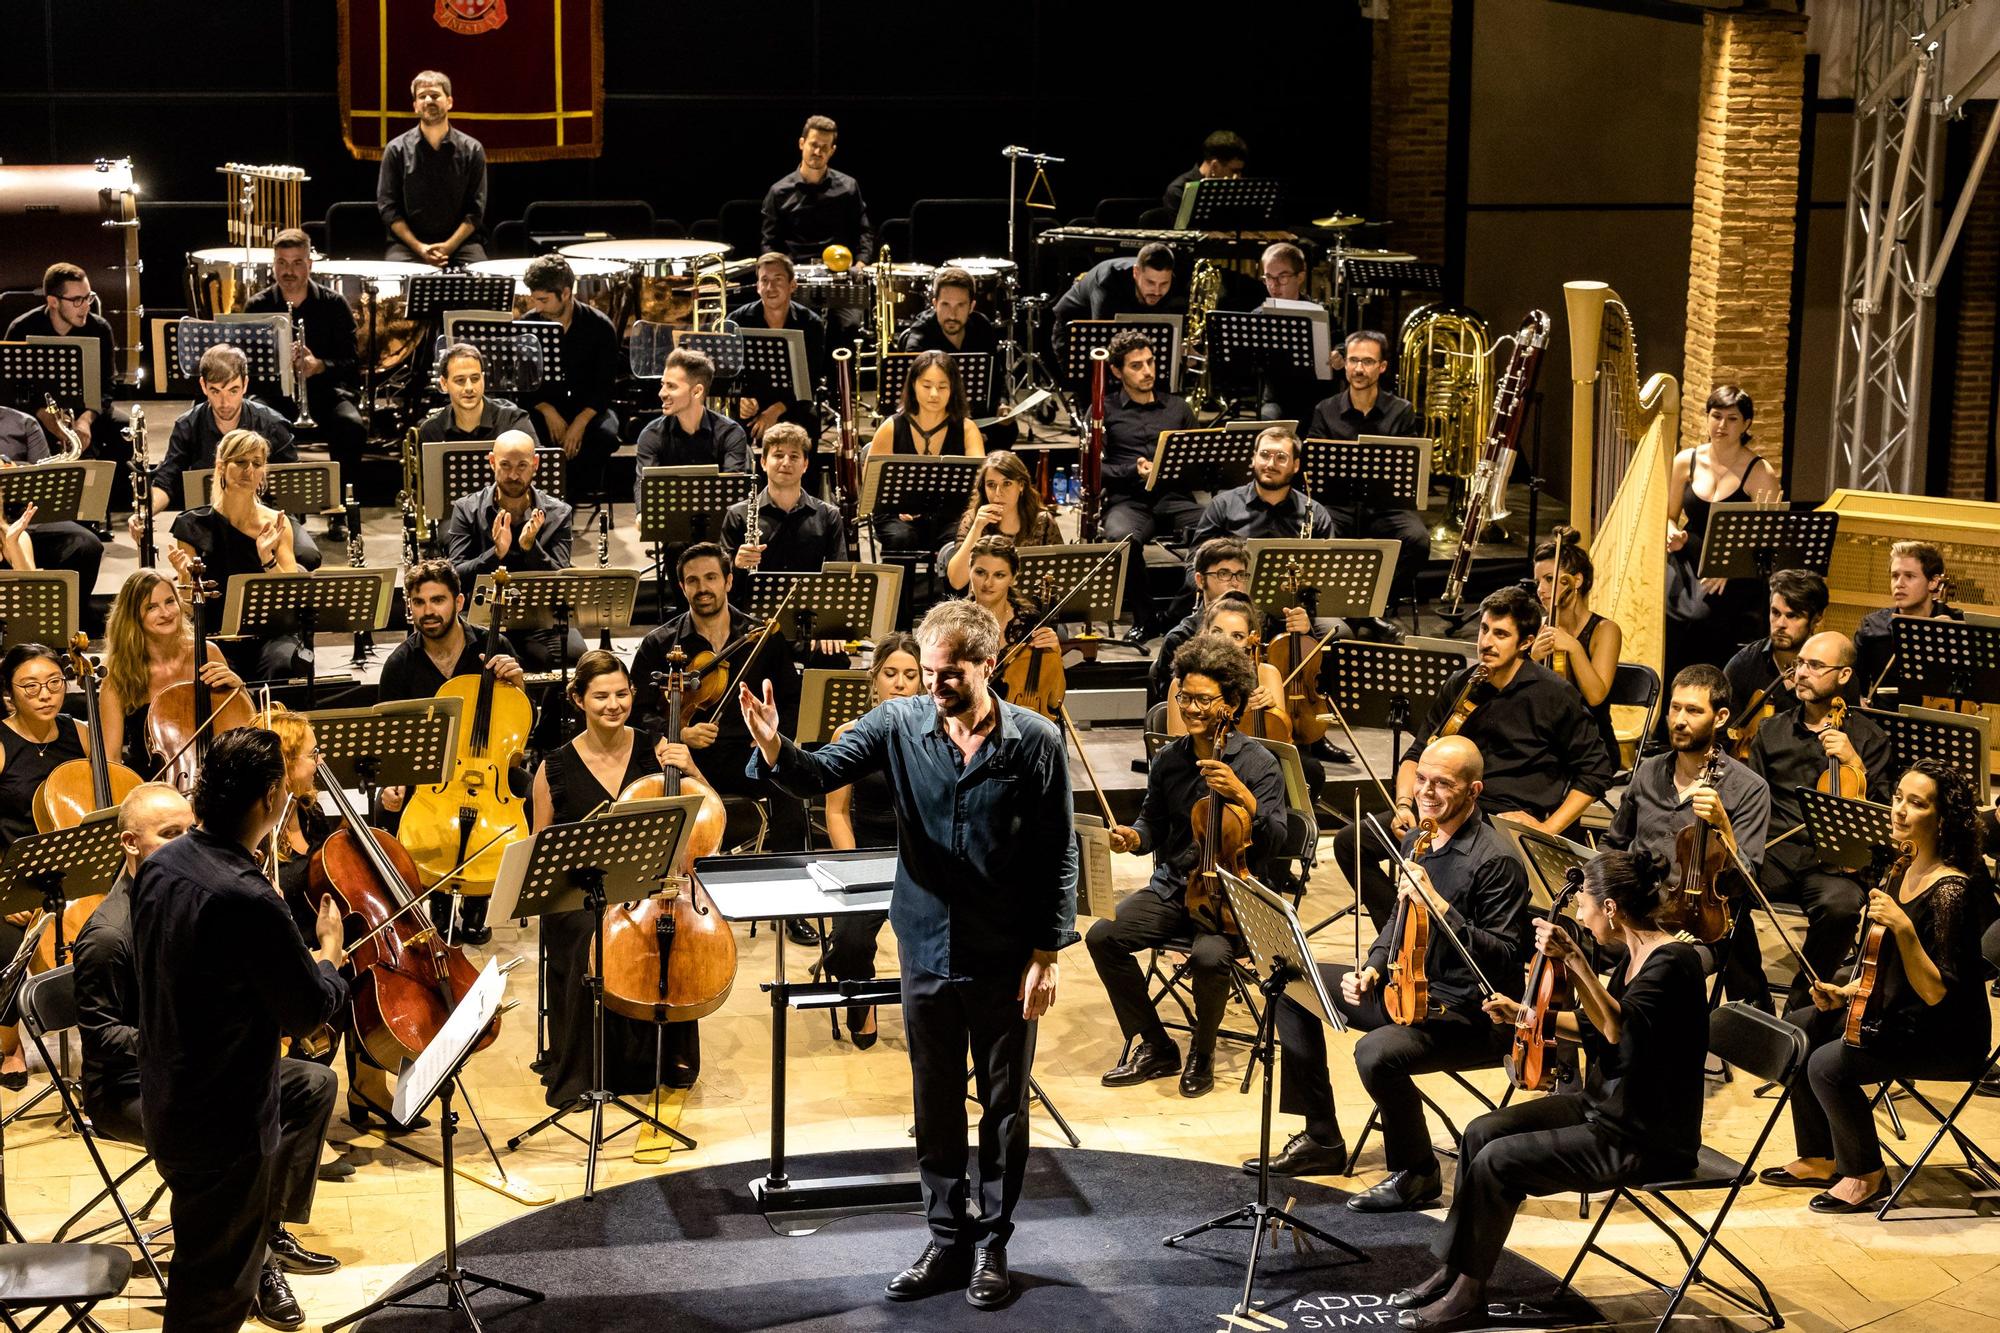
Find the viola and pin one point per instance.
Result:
(1697, 903)
(1862, 1016)
(1476, 691)
(456, 830)
(1406, 991)
(187, 716)
(1264, 723)
(1298, 659)
(1222, 842)
(679, 923)
(1761, 709)
(1836, 778)
(1531, 1062)
(1033, 677)
(706, 677)
(406, 979)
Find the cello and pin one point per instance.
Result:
(1033, 677)
(1531, 1065)
(1406, 991)
(1300, 665)
(1861, 1020)
(671, 958)
(1222, 842)
(1697, 904)
(474, 807)
(186, 717)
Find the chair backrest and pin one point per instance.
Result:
(942, 229)
(1121, 212)
(1156, 717)
(740, 222)
(354, 230)
(614, 217)
(48, 1000)
(1298, 796)
(1636, 685)
(1756, 1042)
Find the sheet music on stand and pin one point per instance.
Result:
(521, 354)
(1753, 541)
(296, 488)
(1351, 576)
(1095, 891)
(1958, 740)
(1208, 458)
(1374, 471)
(774, 365)
(588, 599)
(422, 1078)
(1953, 659)
(1229, 203)
(397, 743)
(1272, 338)
(915, 483)
(434, 295)
(975, 374)
(454, 469)
(678, 505)
(843, 599)
(1846, 833)
(37, 606)
(64, 368)
(56, 490)
(1083, 336)
(1094, 600)
(829, 700)
(265, 340)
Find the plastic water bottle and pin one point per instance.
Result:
(1065, 491)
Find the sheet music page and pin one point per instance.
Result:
(1322, 330)
(1094, 892)
(422, 1077)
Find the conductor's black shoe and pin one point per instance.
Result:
(1147, 1062)
(939, 1268)
(275, 1306)
(296, 1258)
(1402, 1192)
(1304, 1155)
(990, 1286)
(801, 931)
(1197, 1076)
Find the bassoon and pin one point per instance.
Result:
(1486, 496)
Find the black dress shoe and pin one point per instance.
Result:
(1304, 1155)
(360, 1111)
(1826, 1203)
(939, 1268)
(1147, 1062)
(1423, 1293)
(1138, 634)
(1375, 629)
(1469, 1319)
(1783, 1179)
(14, 1080)
(1197, 1076)
(275, 1306)
(338, 1169)
(801, 931)
(1403, 1191)
(990, 1286)
(296, 1258)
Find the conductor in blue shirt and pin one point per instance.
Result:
(985, 898)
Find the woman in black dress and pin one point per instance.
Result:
(864, 815)
(934, 422)
(572, 782)
(1709, 619)
(1930, 1017)
(1589, 643)
(149, 645)
(1646, 1036)
(236, 535)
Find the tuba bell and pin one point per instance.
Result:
(1447, 373)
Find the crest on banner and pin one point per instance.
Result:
(470, 16)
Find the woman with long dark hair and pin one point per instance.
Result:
(1005, 503)
(932, 421)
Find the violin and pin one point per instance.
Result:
(1406, 991)
(706, 677)
(186, 717)
(1761, 709)
(679, 923)
(1299, 662)
(1264, 723)
(1222, 842)
(1861, 1019)
(1033, 677)
(1697, 903)
(406, 979)
(1531, 1064)
(456, 830)
(1836, 779)
(1477, 690)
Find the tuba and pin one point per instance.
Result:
(1204, 290)
(1447, 373)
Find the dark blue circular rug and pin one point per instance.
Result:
(690, 1251)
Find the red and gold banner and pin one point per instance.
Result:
(527, 76)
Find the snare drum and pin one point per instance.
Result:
(600, 283)
(389, 335)
(909, 291)
(659, 273)
(993, 285)
(823, 290)
(221, 281)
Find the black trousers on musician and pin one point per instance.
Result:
(1138, 519)
(583, 474)
(1403, 526)
(69, 546)
(1831, 1112)
(1388, 1059)
(1791, 873)
(1532, 1148)
(223, 1217)
(723, 764)
(1145, 920)
(944, 1020)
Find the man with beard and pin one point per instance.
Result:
(1798, 602)
(985, 898)
(690, 433)
(1364, 407)
(323, 350)
(575, 416)
(1268, 506)
(1124, 285)
(813, 208)
(469, 414)
(1545, 762)
(1916, 588)
(1135, 413)
(1479, 891)
(431, 191)
(441, 645)
(952, 325)
(66, 312)
(512, 525)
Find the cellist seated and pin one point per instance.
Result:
(1214, 683)
(1474, 887)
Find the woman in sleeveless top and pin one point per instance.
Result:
(995, 565)
(572, 782)
(1708, 620)
(933, 421)
(1232, 616)
(1589, 641)
(34, 740)
(149, 645)
(1004, 503)
(864, 815)
(237, 535)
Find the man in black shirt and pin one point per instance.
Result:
(1476, 889)
(1798, 602)
(323, 350)
(469, 414)
(1916, 588)
(66, 312)
(814, 207)
(794, 531)
(1672, 789)
(774, 308)
(1135, 414)
(952, 325)
(1288, 395)
(1364, 407)
(234, 1130)
(1143, 285)
(1223, 154)
(576, 416)
(1267, 506)
(431, 191)
(690, 433)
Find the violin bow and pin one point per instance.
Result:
(1743, 869)
(761, 635)
(1105, 805)
(1405, 866)
(1049, 613)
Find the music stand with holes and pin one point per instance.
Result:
(1754, 541)
(1083, 336)
(843, 599)
(434, 295)
(56, 490)
(1270, 342)
(618, 857)
(1389, 685)
(1207, 458)
(774, 366)
(333, 601)
(1096, 586)
(1229, 203)
(914, 484)
(402, 743)
(52, 366)
(1283, 962)
(559, 600)
(37, 606)
(829, 700)
(1848, 834)
(522, 355)
(296, 488)
(975, 375)
(1549, 856)
(454, 469)
(1347, 577)
(1959, 740)
(266, 342)
(682, 505)
(1366, 474)
(725, 350)
(1956, 659)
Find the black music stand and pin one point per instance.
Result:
(433, 295)
(265, 342)
(332, 601)
(401, 743)
(37, 606)
(975, 374)
(682, 505)
(1282, 959)
(1754, 541)
(619, 857)
(724, 349)
(774, 365)
(46, 366)
(1364, 475)
(829, 700)
(1848, 834)
(843, 599)
(1348, 577)
(522, 355)
(1084, 336)
(1390, 275)
(1956, 659)
(1278, 342)
(914, 484)
(1389, 684)
(296, 488)
(454, 469)
(565, 599)
(1549, 856)
(1096, 584)
(1229, 203)
(1208, 458)
(54, 489)
(1959, 740)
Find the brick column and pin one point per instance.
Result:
(1411, 82)
(1746, 182)
(1973, 431)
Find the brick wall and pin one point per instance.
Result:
(1745, 204)
(1411, 86)
(1973, 433)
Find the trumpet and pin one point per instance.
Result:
(304, 420)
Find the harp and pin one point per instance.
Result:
(1622, 441)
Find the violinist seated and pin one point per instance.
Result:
(1917, 587)
(1645, 1035)
(1760, 675)
(1221, 565)
(1796, 749)
(1232, 616)
(468, 413)
(795, 532)
(235, 536)
(1214, 684)
(996, 568)
(149, 646)
(1575, 642)
(1005, 502)
(513, 525)
(1926, 1014)
(688, 432)
(1545, 762)
(199, 433)
(1471, 884)
(64, 545)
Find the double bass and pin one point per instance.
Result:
(1531, 1062)
(187, 716)
(678, 925)
(1406, 991)
(1222, 842)
(1697, 903)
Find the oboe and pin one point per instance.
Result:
(142, 490)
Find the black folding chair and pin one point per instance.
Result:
(38, 1280)
(1767, 1048)
(1456, 1076)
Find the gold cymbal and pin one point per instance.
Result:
(1340, 222)
(1381, 256)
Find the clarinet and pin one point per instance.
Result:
(357, 555)
(142, 490)
(603, 539)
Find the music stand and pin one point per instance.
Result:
(1549, 856)
(843, 599)
(682, 505)
(724, 349)
(1083, 336)
(1228, 203)
(1957, 659)
(1848, 834)
(56, 490)
(829, 700)
(454, 469)
(1748, 540)
(1960, 740)
(334, 601)
(1348, 577)
(522, 355)
(264, 340)
(401, 743)
(1096, 585)
(1372, 472)
(296, 488)
(37, 606)
(1389, 684)
(975, 374)
(53, 366)
(1277, 342)
(620, 856)
(1283, 962)
(1207, 458)
(562, 599)
(914, 483)
(774, 365)
(434, 295)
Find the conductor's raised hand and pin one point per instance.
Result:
(761, 716)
